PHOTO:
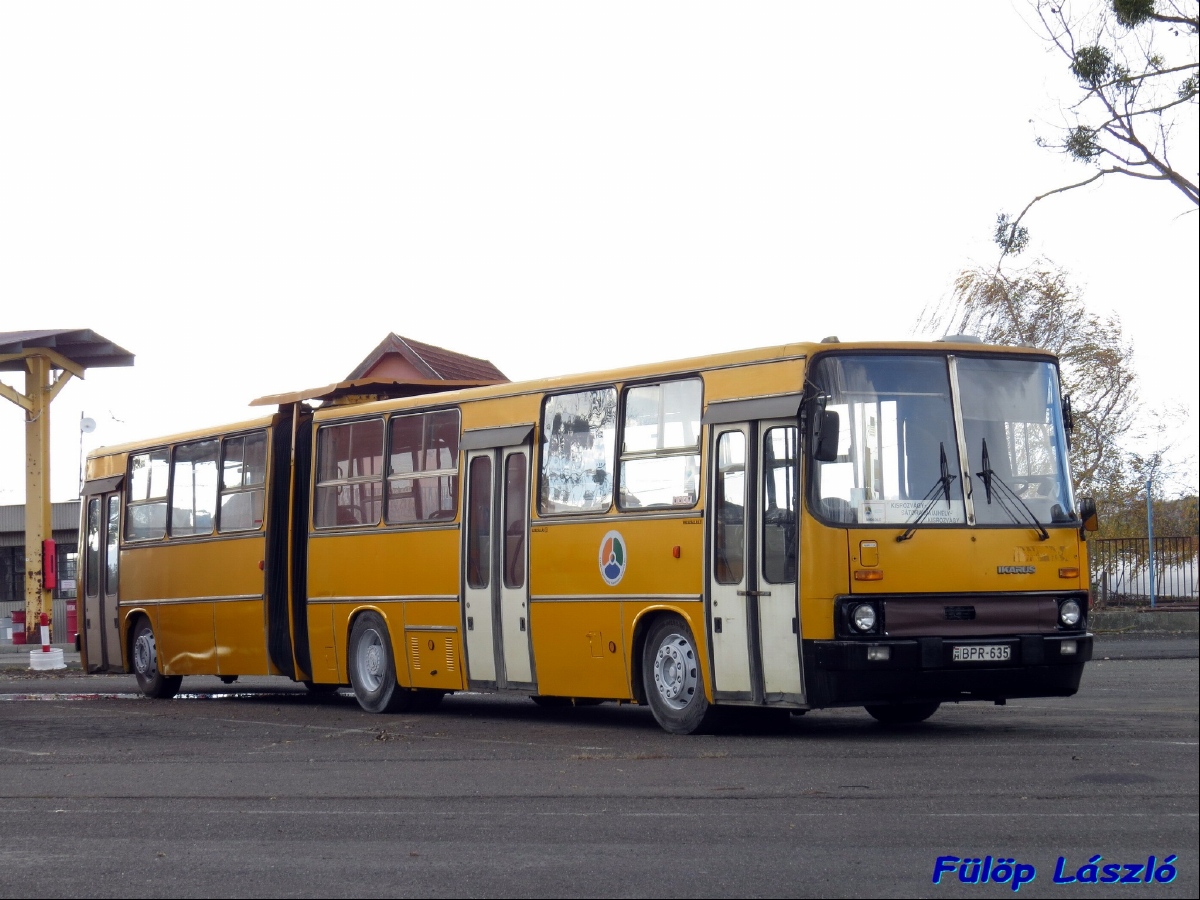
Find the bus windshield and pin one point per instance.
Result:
(1016, 448)
(898, 460)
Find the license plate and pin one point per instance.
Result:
(982, 653)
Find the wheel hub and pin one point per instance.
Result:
(675, 672)
(143, 654)
(372, 660)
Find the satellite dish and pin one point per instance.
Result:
(87, 426)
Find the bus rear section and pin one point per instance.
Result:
(173, 541)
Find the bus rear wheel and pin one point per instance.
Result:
(902, 713)
(426, 699)
(373, 668)
(549, 702)
(151, 682)
(320, 689)
(672, 679)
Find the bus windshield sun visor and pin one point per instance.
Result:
(784, 406)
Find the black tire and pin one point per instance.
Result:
(143, 653)
(228, 679)
(763, 721)
(316, 689)
(672, 678)
(902, 713)
(426, 699)
(373, 667)
(547, 702)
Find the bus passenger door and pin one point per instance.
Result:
(101, 624)
(496, 584)
(753, 619)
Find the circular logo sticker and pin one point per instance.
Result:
(613, 558)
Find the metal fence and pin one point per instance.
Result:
(1121, 570)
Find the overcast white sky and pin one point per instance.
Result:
(250, 196)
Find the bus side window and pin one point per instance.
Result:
(779, 505)
(194, 488)
(660, 444)
(91, 576)
(579, 432)
(243, 476)
(422, 472)
(479, 520)
(146, 496)
(730, 507)
(349, 474)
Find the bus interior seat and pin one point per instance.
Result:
(838, 510)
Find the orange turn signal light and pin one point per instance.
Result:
(868, 575)
(1068, 572)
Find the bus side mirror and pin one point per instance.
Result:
(826, 449)
(1068, 418)
(1087, 513)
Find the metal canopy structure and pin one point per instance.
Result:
(82, 346)
(48, 358)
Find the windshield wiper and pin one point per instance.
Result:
(1005, 495)
(941, 486)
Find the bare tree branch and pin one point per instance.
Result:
(1013, 228)
(1128, 83)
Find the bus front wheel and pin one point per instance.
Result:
(672, 679)
(152, 682)
(373, 668)
(902, 713)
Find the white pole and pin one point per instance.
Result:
(1150, 532)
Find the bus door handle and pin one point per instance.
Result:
(754, 593)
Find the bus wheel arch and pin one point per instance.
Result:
(143, 659)
(371, 665)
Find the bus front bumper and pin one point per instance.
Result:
(845, 673)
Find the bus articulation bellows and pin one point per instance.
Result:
(811, 525)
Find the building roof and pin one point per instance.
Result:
(63, 517)
(80, 345)
(429, 361)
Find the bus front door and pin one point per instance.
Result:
(753, 618)
(101, 618)
(496, 583)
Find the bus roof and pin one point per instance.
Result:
(680, 366)
(196, 434)
(341, 396)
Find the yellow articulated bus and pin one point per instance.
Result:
(811, 525)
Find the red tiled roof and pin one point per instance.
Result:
(433, 362)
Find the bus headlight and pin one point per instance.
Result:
(863, 617)
(1069, 613)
